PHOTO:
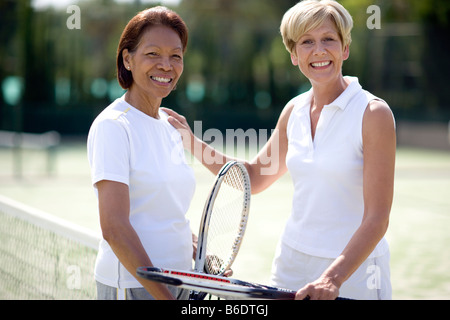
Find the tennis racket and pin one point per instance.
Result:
(220, 286)
(223, 222)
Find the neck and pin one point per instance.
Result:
(144, 103)
(326, 93)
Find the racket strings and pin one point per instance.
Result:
(228, 222)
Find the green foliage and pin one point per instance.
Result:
(237, 71)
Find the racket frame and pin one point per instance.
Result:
(207, 212)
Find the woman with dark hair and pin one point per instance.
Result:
(143, 183)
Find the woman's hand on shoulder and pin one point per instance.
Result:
(180, 123)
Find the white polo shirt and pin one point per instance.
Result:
(327, 173)
(127, 146)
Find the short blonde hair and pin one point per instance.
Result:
(310, 14)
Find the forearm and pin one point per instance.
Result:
(267, 166)
(208, 156)
(212, 159)
(129, 250)
(114, 209)
(361, 245)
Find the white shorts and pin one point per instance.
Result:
(292, 269)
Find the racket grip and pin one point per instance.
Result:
(195, 295)
(338, 298)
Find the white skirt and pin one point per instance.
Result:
(292, 270)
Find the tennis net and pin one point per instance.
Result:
(43, 257)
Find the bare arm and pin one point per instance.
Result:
(268, 165)
(114, 206)
(378, 174)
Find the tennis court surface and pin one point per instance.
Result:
(62, 266)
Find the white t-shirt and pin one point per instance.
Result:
(125, 145)
(328, 203)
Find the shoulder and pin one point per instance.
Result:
(378, 119)
(378, 112)
(110, 124)
(286, 112)
(114, 113)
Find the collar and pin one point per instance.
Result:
(343, 100)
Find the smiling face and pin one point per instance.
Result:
(156, 64)
(319, 53)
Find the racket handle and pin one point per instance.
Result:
(338, 298)
(196, 295)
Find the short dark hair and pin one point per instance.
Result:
(132, 34)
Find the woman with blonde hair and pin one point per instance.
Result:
(338, 143)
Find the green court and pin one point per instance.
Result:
(419, 230)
